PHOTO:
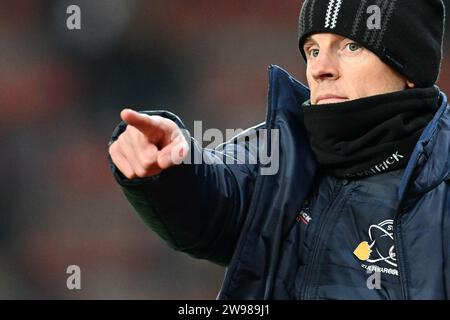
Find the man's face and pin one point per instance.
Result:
(339, 69)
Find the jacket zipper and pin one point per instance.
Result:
(317, 244)
(399, 251)
(397, 241)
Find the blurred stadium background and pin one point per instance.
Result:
(61, 93)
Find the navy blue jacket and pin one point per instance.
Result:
(232, 215)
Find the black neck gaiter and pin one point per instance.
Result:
(370, 135)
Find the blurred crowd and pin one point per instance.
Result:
(61, 92)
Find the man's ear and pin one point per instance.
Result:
(410, 84)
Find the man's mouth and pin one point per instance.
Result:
(330, 98)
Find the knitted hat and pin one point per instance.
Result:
(405, 34)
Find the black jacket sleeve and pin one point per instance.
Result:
(198, 209)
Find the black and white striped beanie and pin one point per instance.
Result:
(406, 34)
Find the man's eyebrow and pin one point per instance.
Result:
(309, 41)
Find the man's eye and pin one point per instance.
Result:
(314, 53)
(353, 46)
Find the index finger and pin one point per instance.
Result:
(142, 122)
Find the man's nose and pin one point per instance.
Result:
(324, 67)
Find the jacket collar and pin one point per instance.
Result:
(430, 161)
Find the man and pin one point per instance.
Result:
(360, 205)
